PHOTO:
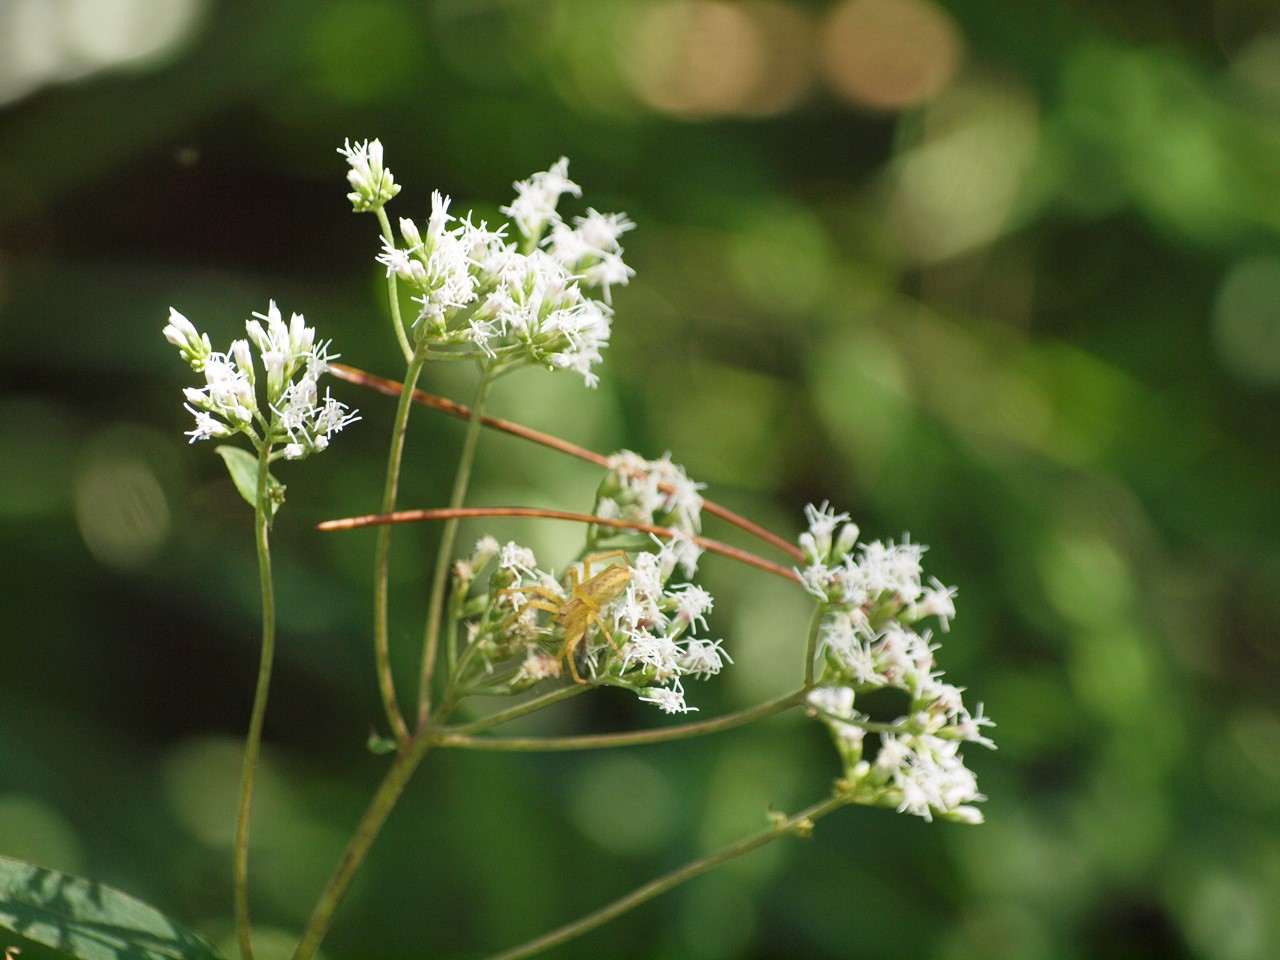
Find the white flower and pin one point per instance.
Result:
(517, 560)
(182, 334)
(656, 492)
(398, 260)
(703, 658)
(373, 185)
(655, 654)
(440, 216)
(836, 701)
(667, 699)
(692, 605)
(229, 400)
(891, 568)
(591, 250)
(512, 306)
(536, 198)
(537, 666)
(206, 426)
(968, 727)
(602, 231)
(844, 640)
(936, 601)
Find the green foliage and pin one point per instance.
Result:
(1078, 412)
(243, 467)
(88, 920)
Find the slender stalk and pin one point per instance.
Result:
(799, 825)
(392, 388)
(380, 806)
(811, 648)
(453, 514)
(450, 738)
(393, 294)
(440, 577)
(253, 739)
(519, 710)
(382, 567)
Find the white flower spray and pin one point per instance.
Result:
(536, 291)
(870, 601)
(287, 411)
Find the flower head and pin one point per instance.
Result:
(372, 184)
(870, 599)
(504, 303)
(290, 412)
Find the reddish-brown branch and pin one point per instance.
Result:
(462, 513)
(393, 389)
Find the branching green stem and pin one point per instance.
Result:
(393, 294)
(799, 825)
(519, 710)
(382, 564)
(253, 740)
(440, 576)
(451, 738)
(380, 806)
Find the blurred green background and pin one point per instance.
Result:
(1005, 275)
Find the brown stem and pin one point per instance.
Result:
(393, 389)
(416, 516)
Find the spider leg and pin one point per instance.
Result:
(592, 559)
(573, 666)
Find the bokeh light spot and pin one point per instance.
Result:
(121, 510)
(702, 59)
(1243, 766)
(31, 831)
(110, 32)
(53, 41)
(624, 805)
(1224, 918)
(1086, 578)
(782, 259)
(957, 189)
(890, 54)
(1246, 320)
(201, 778)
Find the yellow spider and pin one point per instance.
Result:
(586, 599)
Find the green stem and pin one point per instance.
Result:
(811, 649)
(440, 577)
(519, 710)
(393, 295)
(253, 740)
(382, 560)
(799, 825)
(375, 815)
(451, 738)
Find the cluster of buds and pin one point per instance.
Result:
(289, 412)
(508, 304)
(871, 596)
(657, 493)
(372, 184)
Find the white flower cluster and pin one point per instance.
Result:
(637, 630)
(292, 412)
(657, 493)
(508, 304)
(871, 596)
(372, 184)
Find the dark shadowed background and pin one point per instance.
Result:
(1002, 274)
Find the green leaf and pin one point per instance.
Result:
(87, 920)
(243, 467)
